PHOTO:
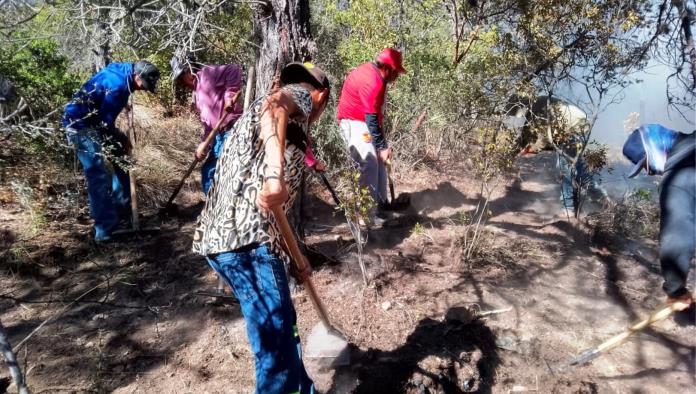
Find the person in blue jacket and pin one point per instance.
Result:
(661, 151)
(90, 123)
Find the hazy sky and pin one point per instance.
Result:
(650, 95)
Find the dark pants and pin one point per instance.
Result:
(677, 228)
(208, 167)
(258, 279)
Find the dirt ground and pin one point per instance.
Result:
(129, 317)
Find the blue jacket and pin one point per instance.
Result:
(99, 101)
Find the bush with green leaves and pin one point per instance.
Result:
(39, 71)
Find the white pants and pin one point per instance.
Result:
(373, 173)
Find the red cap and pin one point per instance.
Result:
(392, 58)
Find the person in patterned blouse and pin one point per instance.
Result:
(260, 168)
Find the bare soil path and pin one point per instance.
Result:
(141, 327)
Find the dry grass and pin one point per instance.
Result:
(635, 216)
(164, 150)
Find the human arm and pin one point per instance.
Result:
(202, 148)
(232, 84)
(372, 98)
(276, 112)
(112, 103)
(83, 106)
(378, 140)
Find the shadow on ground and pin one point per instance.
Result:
(112, 312)
(450, 356)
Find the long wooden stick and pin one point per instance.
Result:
(329, 188)
(249, 88)
(618, 339)
(176, 191)
(190, 169)
(301, 264)
(135, 219)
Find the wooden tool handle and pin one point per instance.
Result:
(190, 168)
(654, 318)
(135, 217)
(388, 165)
(300, 262)
(329, 187)
(188, 172)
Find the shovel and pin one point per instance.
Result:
(590, 354)
(325, 344)
(395, 204)
(170, 203)
(329, 187)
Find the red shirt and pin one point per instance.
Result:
(363, 93)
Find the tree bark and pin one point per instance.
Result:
(687, 19)
(281, 28)
(102, 41)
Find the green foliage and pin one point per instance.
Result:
(356, 201)
(417, 229)
(642, 194)
(39, 71)
(465, 62)
(596, 157)
(496, 154)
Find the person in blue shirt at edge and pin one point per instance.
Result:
(661, 151)
(89, 120)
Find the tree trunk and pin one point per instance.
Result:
(687, 19)
(282, 31)
(102, 41)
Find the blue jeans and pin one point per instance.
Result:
(109, 194)
(208, 168)
(259, 282)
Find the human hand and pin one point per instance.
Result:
(385, 155)
(232, 102)
(319, 166)
(273, 194)
(201, 151)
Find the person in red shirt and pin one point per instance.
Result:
(360, 116)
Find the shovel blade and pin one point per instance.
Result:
(585, 357)
(327, 347)
(401, 203)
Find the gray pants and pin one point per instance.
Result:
(373, 173)
(677, 228)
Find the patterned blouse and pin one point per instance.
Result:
(231, 219)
